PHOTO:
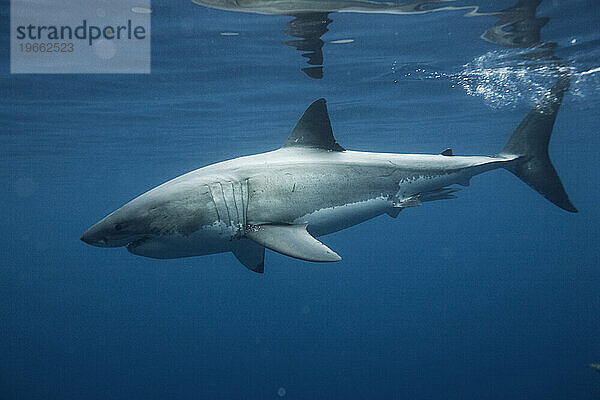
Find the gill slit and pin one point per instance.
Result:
(228, 222)
(212, 197)
(237, 212)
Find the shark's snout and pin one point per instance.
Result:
(93, 242)
(109, 232)
(94, 237)
(119, 228)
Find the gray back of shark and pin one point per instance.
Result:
(283, 199)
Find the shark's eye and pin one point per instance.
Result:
(118, 227)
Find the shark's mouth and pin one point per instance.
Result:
(132, 245)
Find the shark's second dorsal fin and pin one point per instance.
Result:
(314, 129)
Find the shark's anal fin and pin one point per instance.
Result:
(293, 241)
(251, 254)
(444, 193)
(313, 130)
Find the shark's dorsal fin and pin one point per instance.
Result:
(448, 152)
(293, 241)
(313, 130)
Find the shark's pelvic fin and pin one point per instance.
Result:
(293, 241)
(313, 130)
(529, 143)
(393, 212)
(416, 200)
(251, 254)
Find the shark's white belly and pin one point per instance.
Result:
(212, 239)
(332, 219)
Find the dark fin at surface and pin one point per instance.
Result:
(251, 255)
(313, 130)
(530, 142)
(448, 152)
(313, 72)
(517, 26)
(308, 28)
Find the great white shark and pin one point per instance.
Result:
(283, 199)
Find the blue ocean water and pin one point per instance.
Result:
(494, 295)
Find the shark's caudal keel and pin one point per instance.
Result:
(283, 199)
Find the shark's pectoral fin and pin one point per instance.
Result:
(251, 254)
(293, 241)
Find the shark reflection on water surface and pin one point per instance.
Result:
(298, 7)
(517, 26)
(311, 18)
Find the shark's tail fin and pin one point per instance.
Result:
(529, 143)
